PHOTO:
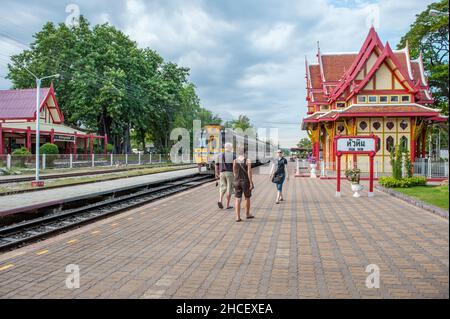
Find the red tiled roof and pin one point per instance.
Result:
(335, 65)
(314, 71)
(319, 97)
(402, 58)
(19, 104)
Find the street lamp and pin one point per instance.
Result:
(37, 182)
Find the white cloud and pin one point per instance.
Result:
(181, 27)
(273, 39)
(245, 57)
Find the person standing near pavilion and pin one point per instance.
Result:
(224, 172)
(278, 174)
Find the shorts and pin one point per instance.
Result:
(242, 186)
(280, 185)
(226, 183)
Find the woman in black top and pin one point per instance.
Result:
(278, 174)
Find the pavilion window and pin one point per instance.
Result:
(383, 99)
(404, 142)
(372, 99)
(362, 99)
(389, 144)
(394, 98)
(340, 104)
(405, 98)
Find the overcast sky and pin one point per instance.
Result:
(245, 56)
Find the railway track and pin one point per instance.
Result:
(73, 174)
(55, 222)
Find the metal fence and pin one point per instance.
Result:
(429, 168)
(69, 161)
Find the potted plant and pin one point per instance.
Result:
(354, 176)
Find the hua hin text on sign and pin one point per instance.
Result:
(356, 145)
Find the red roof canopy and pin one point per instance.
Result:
(21, 103)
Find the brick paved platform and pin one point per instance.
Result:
(313, 245)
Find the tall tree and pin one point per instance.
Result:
(242, 122)
(429, 34)
(109, 85)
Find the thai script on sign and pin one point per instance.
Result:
(351, 144)
(356, 143)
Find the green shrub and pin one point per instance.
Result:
(408, 164)
(21, 156)
(21, 151)
(50, 150)
(391, 182)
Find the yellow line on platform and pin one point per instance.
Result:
(72, 241)
(42, 252)
(130, 218)
(6, 267)
(95, 232)
(114, 225)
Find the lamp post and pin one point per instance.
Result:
(37, 182)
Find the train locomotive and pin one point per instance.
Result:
(209, 144)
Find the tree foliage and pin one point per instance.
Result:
(305, 143)
(111, 86)
(242, 122)
(429, 34)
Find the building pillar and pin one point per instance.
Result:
(52, 136)
(424, 142)
(412, 153)
(91, 144)
(105, 142)
(28, 141)
(316, 151)
(75, 144)
(355, 157)
(85, 145)
(1, 140)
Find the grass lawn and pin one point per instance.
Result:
(434, 195)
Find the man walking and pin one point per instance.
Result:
(224, 172)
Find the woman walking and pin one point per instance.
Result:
(278, 174)
(242, 169)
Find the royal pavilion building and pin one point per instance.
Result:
(376, 90)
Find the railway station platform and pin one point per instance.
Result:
(13, 203)
(312, 245)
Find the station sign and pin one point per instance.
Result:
(64, 138)
(356, 144)
(364, 145)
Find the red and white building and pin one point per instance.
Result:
(18, 124)
(376, 90)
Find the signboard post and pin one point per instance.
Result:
(359, 145)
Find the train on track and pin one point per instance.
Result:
(209, 144)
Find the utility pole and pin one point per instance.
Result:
(37, 182)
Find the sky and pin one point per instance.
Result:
(245, 56)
